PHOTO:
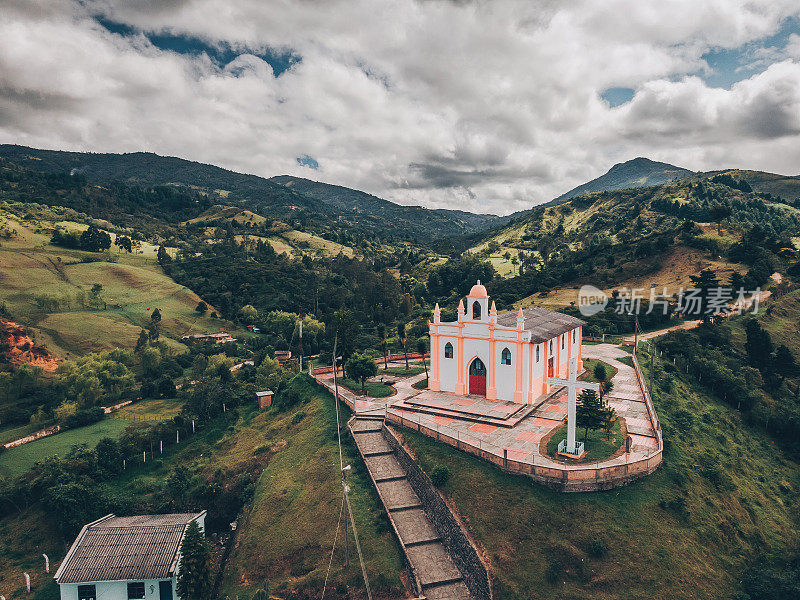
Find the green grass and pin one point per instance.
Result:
(18, 460)
(626, 360)
(373, 388)
(403, 372)
(286, 537)
(422, 384)
(724, 494)
(132, 287)
(597, 446)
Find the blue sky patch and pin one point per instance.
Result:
(617, 95)
(729, 65)
(307, 161)
(280, 60)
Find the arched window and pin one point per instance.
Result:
(505, 356)
(551, 347)
(476, 310)
(448, 350)
(574, 335)
(563, 337)
(537, 353)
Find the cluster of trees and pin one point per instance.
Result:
(90, 240)
(762, 382)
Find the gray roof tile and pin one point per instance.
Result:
(543, 324)
(126, 548)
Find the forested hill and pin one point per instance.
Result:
(356, 201)
(639, 172)
(371, 216)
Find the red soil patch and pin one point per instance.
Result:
(21, 349)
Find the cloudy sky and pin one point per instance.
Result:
(484, 106)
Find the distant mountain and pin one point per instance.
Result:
(286, 198)
(636, 173)
(355, 201)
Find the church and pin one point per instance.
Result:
(506, 356)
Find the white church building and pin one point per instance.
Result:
(506, 356)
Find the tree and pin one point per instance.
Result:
(600, 372)
(248, 314)
(422, 348)
(109, 456)
(589, 412)
(360, 368)
(124, 242)
(401, 335)
(719, 212)
(156, 316)
(163, 256)
(758, 345)
(94, 240)
(94, 294)
(705, 282)
(194, 576)
(142, 341)
(784, 361)
(201, 307)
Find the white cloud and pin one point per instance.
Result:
(485, 106)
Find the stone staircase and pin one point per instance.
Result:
(436, 575)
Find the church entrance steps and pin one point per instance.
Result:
(499, 414)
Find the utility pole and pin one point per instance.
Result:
(636, 333)
(346, 518)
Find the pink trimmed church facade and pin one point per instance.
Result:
(506, 356)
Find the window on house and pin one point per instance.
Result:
(505, 356)
(87, 592)
(448, 350)
(551, 347)
(563, 337)
(574, 335)
(476, 310)
(136, 590)
(537, 353)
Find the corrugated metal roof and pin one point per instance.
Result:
(126, 548)
(543, 324)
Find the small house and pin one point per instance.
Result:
(282, 356)
(264, 399)
(126, 558)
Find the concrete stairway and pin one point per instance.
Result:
(434, 569)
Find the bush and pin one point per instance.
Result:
(84, 417)
(598, 548)
(440, 475)
(554, 571)
(299, 416)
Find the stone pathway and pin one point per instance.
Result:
(435, 570)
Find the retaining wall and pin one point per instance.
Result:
(453, 537)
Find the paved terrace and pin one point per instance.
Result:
(511, 437)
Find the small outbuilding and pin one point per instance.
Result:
(126, 558)
(264, 399)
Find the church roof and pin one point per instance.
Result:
(126, 548)
(543, 324)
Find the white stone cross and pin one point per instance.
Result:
(573, 385)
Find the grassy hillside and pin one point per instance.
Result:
(286, 535)
(724, 495)
(48, 288)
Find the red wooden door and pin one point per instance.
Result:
(550, 368)
(477, 378)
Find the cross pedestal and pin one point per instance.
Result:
(573, 385)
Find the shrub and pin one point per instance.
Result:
(598, 548)
(554, 571)
(299, 416)
(440, 475)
